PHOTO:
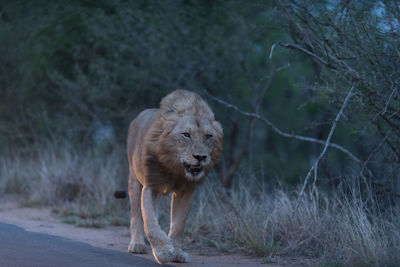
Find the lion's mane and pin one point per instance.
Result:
(178, 105)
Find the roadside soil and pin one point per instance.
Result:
(42, 220)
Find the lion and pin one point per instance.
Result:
(170, 150)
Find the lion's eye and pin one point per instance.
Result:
(208, 136)
(187, 135)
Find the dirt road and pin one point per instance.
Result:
(42, 220)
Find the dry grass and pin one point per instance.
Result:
(66, 178)
(339, 230)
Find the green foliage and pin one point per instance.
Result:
(72, 68)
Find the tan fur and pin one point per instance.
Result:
(170, 149)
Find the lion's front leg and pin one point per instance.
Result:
(161, 244)
(136, 245)
(180, 206)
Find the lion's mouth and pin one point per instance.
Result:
(193, 169)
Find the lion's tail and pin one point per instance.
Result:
(120, 194)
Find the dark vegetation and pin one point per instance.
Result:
(73, 74)
(72, 67)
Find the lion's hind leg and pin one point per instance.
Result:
(136, 244)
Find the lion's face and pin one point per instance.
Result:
(186, 138)
(195, 141)
(191, 145)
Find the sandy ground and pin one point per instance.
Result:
(42, 220)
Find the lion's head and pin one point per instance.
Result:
(186, 138)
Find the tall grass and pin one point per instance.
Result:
(64, 176)
(338, 229)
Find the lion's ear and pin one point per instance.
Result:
(169, 115)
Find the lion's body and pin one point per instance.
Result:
(170, 149)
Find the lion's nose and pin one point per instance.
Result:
(199, 157)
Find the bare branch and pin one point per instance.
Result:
(280, 132)
(272, 51)
(227, 179)
(374, 151)
(307, 52)
(328, 140)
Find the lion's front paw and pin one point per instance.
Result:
(181, 256)
(164, 254)
(137, 248)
